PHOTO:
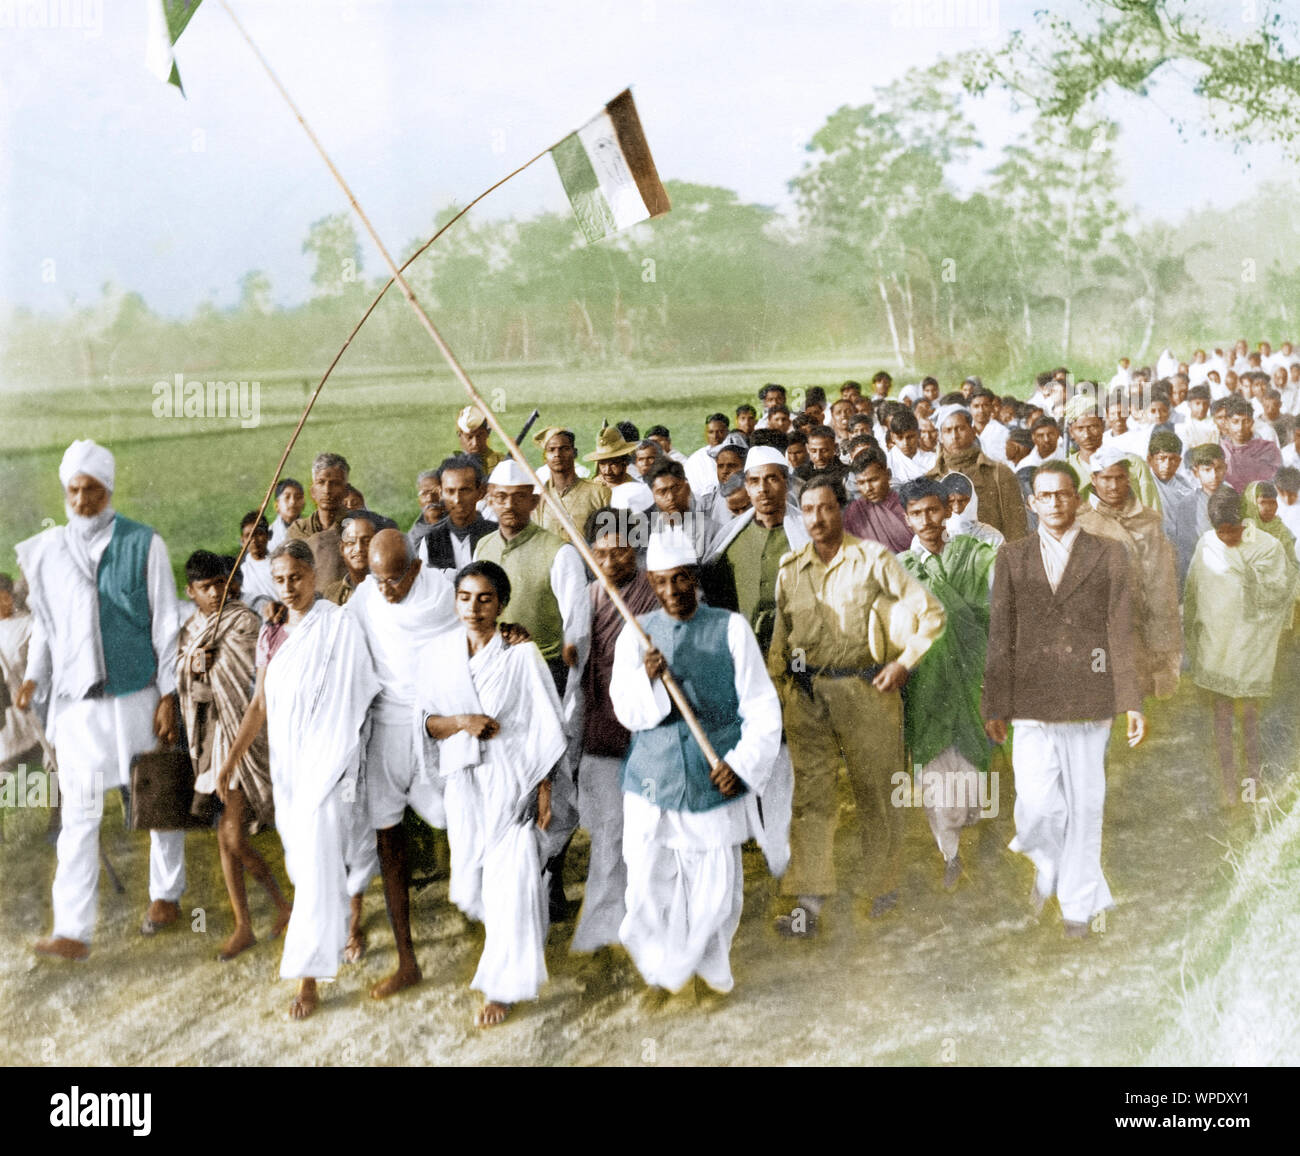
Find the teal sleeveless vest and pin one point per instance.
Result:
(665, 765)
(124, 618)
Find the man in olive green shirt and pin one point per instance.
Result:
(581, 497)
(850, 626)
(741, 568)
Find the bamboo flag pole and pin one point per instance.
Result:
(575, 533)
(311, 401)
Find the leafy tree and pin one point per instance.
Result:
(1059, 190)
(333, 242)
(1248, 83)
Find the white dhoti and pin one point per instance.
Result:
(360, 849)
(1060, 775)
(496, 878)
(95, 740)
(950, 793)
(319, 686)
(314, 858)
(395, 778)
(685, 891)
(600, 810)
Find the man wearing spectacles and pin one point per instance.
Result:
(1061, 664)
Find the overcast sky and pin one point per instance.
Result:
(114, 176)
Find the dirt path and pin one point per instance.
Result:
(968, 978)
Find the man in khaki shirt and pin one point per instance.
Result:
(851, 625)
(581, 497)
(321, 531)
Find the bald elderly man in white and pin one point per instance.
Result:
(103, 647)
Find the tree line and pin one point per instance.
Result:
(884, 256)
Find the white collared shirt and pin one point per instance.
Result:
(1056, 552)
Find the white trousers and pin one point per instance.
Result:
(600, 812)
(95, 740)
(950, 791)
(1060, 770)
(685, 891)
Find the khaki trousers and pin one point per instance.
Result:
(847, 721)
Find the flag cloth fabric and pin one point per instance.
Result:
(608, 172)
(167, 20)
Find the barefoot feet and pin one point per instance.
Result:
(305, 1001)
(355, 950)
(403, 977)
(241, 940)
(62, 948)
(491, 1013)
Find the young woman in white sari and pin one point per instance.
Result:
(494, 716)
(315, 681)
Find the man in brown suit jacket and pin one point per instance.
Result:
(1061, 664)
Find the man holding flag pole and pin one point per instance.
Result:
(610, 177)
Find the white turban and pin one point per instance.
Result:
(668, 549)
(761, 456)
(86, 457)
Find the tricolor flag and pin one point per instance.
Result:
(608, 173)
(167, 20)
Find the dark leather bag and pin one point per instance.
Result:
(162, 789)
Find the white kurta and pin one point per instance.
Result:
(319, 686)
(258, 587)
(95, 739)
(21, 729)
(701, 472)
(685, 883)
(993, 440)
(489, 789)
(396, 634)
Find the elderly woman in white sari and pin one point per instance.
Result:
(494, 716)
(315, 681)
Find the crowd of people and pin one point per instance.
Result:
(921, 591)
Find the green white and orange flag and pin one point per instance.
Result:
(608, 172)
(167, 20)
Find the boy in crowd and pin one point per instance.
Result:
(215, 672)
(290, 497)
(877, 514)
(258, 589)
(904, 460)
